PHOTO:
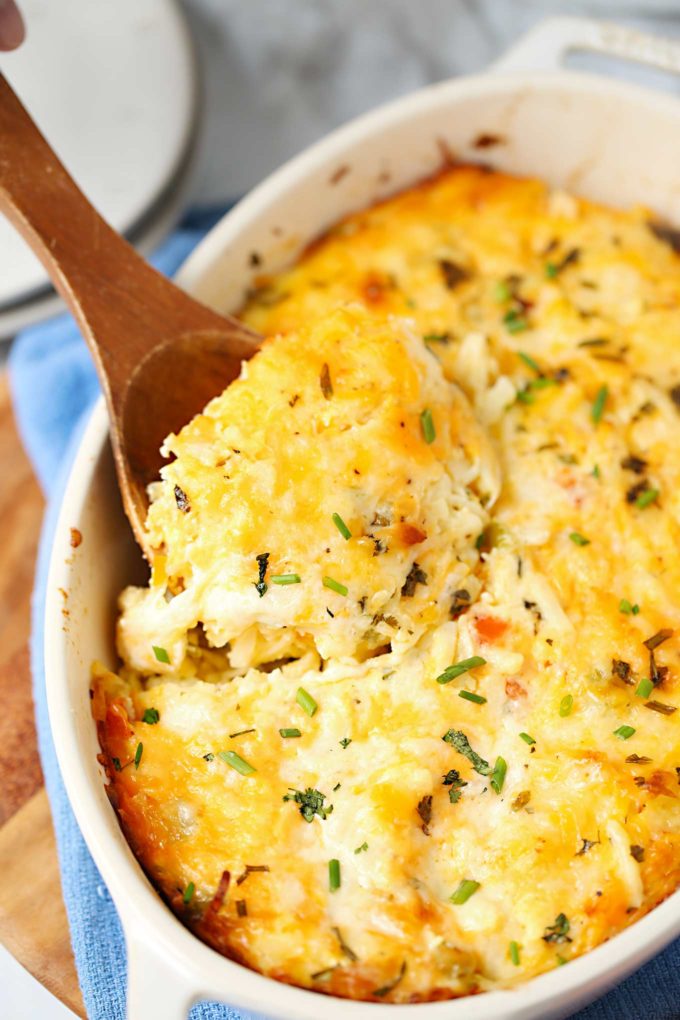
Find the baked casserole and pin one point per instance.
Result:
(396, 715)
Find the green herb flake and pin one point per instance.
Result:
(361, 849)
(161, 654)
(285, 579)
(467, 888)
(334, 878)
(566, 705)
(290, 731)
(470, 696)
(596, 471)
(529, 362)
(151, 716)
(453, 780)
(237, 762)
(262, 563)
(558, 932)
(498, 774)
(138, 754)
(427, 425)
(458, 740)
(342, 527)
(513, 953)
(644, 688)
(306, 701)
(345, 742)
(578, 539)
(527, 738)
(646, 498)
(628, 608)
(188, 894)
(597, 410)
(502, 292)
(310, 802)
(624, 732)
(335, 586)
(458, 668)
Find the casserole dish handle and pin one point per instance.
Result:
(545, 47)
(155, 988)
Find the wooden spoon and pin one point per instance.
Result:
(160, 355)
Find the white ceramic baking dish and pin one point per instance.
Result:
(599, 137)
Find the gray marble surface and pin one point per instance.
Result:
(279, 74)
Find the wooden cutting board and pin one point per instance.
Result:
(33, 923)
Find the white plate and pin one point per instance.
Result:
(151, 232)
(112, 85)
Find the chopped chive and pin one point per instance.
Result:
(469, 696)
(542, 382)
(579, 539)
(551, 271)
(624, 732)
(560, 960)
(529, 362)
(458, 668)
(285, 579)
(161, 654)
(644, 688)
(188, 894)
(597, 409)
(526, 396)
(306, 701)
(427, 425)
(646, 498)
(361, 849)
(527, 738)
(138, 754)
(628, 608)
(240, 733)
(237, 762)
(465, 890)
(514, 953)
(661, 707)
(342, 527)
(566, 705)
(502, 292)
(291, 731)
(596, 471)
(498, 774)
(334, 880)
(328, 582)
(345, 742)
(151, 716)
(436, 338)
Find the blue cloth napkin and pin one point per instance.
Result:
(53, 387)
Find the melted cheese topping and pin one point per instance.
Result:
(317, 458)
(548, 819)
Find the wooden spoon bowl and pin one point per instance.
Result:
(160, 355)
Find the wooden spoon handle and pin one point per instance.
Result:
(112, 292)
